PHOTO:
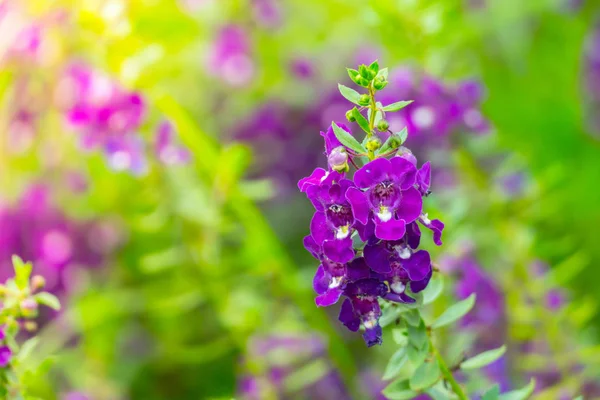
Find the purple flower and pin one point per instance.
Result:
(389, 195)
(5, 356)
(127, 154)
(230, 57)
(167, 151)
(302, 68)
(267, 13)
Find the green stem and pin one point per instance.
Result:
(458, 390)
(373, 107)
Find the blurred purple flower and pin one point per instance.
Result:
(591, 79)
(166, 149)
(5, 356)
(267, 13)
(302, 68)
(230, 56)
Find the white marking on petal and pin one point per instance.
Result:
(371, 321)
(335, 282)
(403, 252)
(425, 219)
(342, 232)
(384, 214)
(398, 287)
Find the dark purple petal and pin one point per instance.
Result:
(5, 356)
(312, 247)
(347, 316)
(411, 206)
(339, 250)
(437, 227)
(357, 269)
(399, 298)
(312, 180)
(413, 235)
(424, 178)
(418, 266)
(378, 258)
(373, 173)
(319, 229)
(403, 172)
(373, 336)
(321, 280)
(329, 298)
(419, 286)
(393, 229)
(360, 205)
(366, 287)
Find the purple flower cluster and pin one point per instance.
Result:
(383, 207)
(5, 351)
(109, 117)
(274, 359)
(230, 57)
(37, 231)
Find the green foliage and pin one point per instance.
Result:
(347, 139)
(483, 359)
(454, 312)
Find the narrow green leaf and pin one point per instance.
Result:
(417, 335)
(361, 120)
(455, 312)
(412, 317)
(347, 139)
(399, 390)
(394, 141)
(434, 289)
(374, 66)
(350, 94)
(396, 363)
(399, 105)
(417, 356)
(425, 376)
(521, 394)
(483, 359)
(48, 299)
(492, 393)
(402, 135)
(383, 72)
(352, 73)
(400, 336)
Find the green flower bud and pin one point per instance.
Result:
(28, 307)
(30, 326)
(364, 100)
(373, 144)
(37, 282)
(379, 83)
(364, 72)
(363, 82)
(383, 125)
(350, 116)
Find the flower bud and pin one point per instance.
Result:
(29, 307)
(364, 72)
(338, 159)
(364, 100)
(383, 125)
(373, 144)
(37, 282)
(350, 116)
(379, 83)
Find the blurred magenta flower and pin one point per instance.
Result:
(166, 149)
(230, 56)
(267, 13)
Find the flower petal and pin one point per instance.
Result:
(403, 172)
(378, 258)
(357, 269)
(339, 250)
(359, 203)
(373, 336)
(321, 280)
(329, 298)
(372, 173)
(411, 206)
(393, 229)
(319, 229)
(424, 178)
(418, 266)
(312, 247)
(312, 179)
(419, 286)
(347, 316)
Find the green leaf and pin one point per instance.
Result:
(383, 72)
(347, 139)
(417, 335)
(483, 359)
(417, 356)
(434, 289)
(22, 272)
(399, 390)
(425, 376)
(412, 317)
(353, 74)
(399, 105)
(396, 363)
(492, 393)
(48, 299)
(361, 120)
(374, 66)
(27, 348)
(350, 94)
(455, 312)
(521, 394)
(400, 336)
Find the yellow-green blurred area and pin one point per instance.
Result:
(149, 156)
